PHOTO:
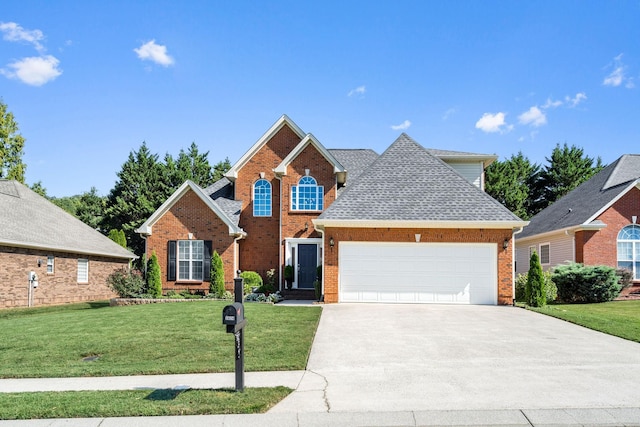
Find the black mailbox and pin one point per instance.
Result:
(233, 314)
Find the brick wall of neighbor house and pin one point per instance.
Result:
(451, 235)
(191, 215)
(259, 250)
(59, 287)
(600, 248)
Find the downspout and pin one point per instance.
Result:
(573, 246)
(321, 231)
(513, 266)
(280, 243)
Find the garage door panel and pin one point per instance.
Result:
(418, 272)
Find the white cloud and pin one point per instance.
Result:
(618, 76)
(534, 117)
(402, 126)
(15, 33)
(154, 52)
(360, 90)
(576, 99)
(34, 71)
(449, 113)
(491, 123)
(551, 104)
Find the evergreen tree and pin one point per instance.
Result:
(535, 290)
(138, 192)
(220, 168)
(118, 237)
(509, 182)
(11, 147)
(91, 207)
(190, 165)
(39, 189)
(216, 286)
(154, 282)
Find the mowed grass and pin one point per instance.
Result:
(619, 318)
(165, 338)
(134, 403)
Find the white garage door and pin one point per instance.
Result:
(418, 272)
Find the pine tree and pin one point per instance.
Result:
(217, 275)
(509, 182)
(154, 282)
(535, 290)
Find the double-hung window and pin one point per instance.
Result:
(545, 256)
(50, 264)
(262, 198)
(307, 195)
(190, 259)
(629, 249)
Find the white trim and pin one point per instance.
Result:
(147, 227)
(323, 223)
(309, 139)
(232, 174)
(635, 183)
(290, 244)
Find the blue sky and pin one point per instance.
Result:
(88, 81)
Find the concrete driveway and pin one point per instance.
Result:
(368, 357)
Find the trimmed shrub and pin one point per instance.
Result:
(550, 287)
(317, 286)
(126, 283)
(535, 292)
(154, 282)
(270, 284)
(251, 280)
(578, 283)
(216, 284)
(625, 276)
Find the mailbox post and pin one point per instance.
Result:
(233, 318)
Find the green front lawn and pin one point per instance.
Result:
(165, 338)
(619, 318)
(136, 403)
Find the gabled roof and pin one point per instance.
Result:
(29, 220)
(309, 139)
(227, 210)
(581, 206)
(232, 174)
(408, 186)
(355, 161)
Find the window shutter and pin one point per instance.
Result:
(171, 261)
(206, 261)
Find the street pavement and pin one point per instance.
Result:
(418, 365)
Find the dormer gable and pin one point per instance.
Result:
(309, 139)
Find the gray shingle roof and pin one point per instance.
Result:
(355, 161)
(221, 192)
(29, 220)
(579, 205)
(407, 183)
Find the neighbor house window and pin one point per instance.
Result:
(83, 270)
(190, 259)
(262, 198)
(307, 195)
(629, 249)
(50, 260)
(544, 254)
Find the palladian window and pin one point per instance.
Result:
(629, 249)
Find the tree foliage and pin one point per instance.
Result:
(90, 209)
(190, 165)
(154, 281)
(578, 283)
(118, 237)
(11, 147)
(535, 290)
(217, 276)
(510, 183)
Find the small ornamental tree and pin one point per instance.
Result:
(251, 280)
(216, 283)
(535, 292)
(154, 282)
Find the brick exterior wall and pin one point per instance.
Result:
(452, 235)
(262, 250)
(600, 247)
(59, 287)
(191, 215)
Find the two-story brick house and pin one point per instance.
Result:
(419, 216)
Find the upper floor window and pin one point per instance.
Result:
(629, 249)
(262, 198)
(307, 195)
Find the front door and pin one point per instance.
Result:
(307, 265)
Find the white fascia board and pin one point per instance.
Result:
(232, 173)
(486, 160)
(635, 183)
(71, 250)
(546, 235)
(281, 169)
(147, 227)
(324, 223)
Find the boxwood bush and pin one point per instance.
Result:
(578, 283)
(251, 280)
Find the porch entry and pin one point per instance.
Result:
(304, 255)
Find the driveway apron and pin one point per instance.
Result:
(410, 357)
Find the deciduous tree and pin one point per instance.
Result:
(11, 147)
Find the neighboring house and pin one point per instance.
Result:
(411, 225)
(72, 260)
(595, 224)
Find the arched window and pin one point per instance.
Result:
(262, 198)
(629, 249)
(307, 195)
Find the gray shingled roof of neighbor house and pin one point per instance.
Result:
(221, 192)
(29, 220)
(355, 161)
(582, 203)
(408, 183)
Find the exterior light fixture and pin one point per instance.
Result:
(39, 262)
(505, 244)
(331, 242)
(306, 226)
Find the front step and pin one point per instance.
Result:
(299, 294)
